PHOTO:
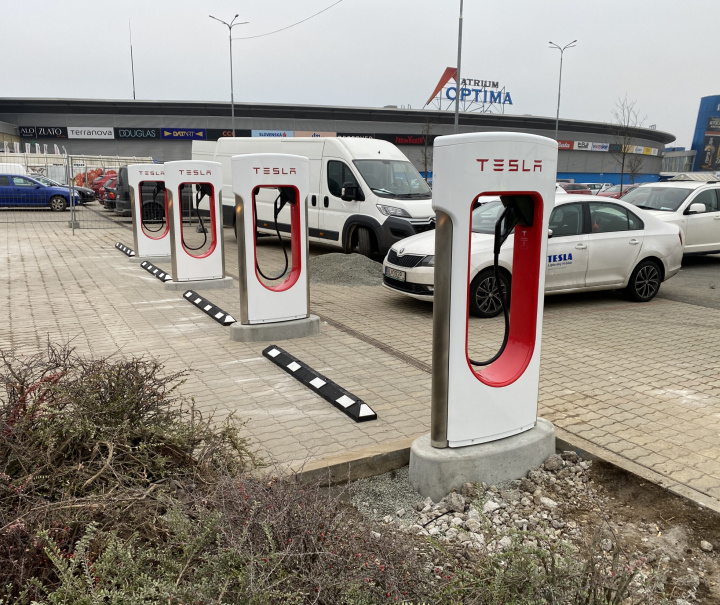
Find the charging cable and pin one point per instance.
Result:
(202, 190)
(159, 188)
(503, 228)
(278, 205)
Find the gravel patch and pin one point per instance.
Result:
(345, 270)
(387, 495)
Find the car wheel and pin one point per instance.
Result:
(57, 203)
(364, 241)
(484, 299)
(644, 282)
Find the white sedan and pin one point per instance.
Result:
(592, 245)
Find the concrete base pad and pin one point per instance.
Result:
(281, 330)
(151, 259)
(200, 284)
(435, 472)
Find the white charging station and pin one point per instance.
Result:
(268, 310)
(196, 185)
(488, 404)
(151, 225)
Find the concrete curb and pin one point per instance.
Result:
(200, 284)
(367, 462)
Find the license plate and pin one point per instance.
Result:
(395, 273)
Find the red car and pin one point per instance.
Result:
(615, 193)
(102, 190)
(576, 188)
(101, 180)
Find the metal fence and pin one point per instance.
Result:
(75, 190)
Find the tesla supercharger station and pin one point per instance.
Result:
(197, 185)
(491, 408)
(151, 226)
(272, 307)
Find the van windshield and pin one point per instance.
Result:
(393, 178)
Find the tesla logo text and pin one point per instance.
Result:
(559, 258)
(195, 172)
(501, 165)
(275, 170)
(151, 173)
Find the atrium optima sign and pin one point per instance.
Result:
(91, 132)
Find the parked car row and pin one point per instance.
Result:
(27, 191)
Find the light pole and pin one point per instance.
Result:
(458, 85)
(232, 92)
(562, 50)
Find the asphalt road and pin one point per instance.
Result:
(697, 283)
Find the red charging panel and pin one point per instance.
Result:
(523, 299)
(295, 242)
(167, 215)
(213, 218)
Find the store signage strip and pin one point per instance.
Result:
(90, 132)
(186, 134)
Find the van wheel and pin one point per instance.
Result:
(484, 297)
(364, 241)
(644, 282)
(58, 203)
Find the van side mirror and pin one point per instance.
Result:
(350, 192)
(549, 233)
(696, 208)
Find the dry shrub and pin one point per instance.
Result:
(99, 440)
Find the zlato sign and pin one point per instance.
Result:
(91, 132)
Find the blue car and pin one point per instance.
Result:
(24, 191)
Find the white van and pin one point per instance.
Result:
(12, 168)
(364, 193)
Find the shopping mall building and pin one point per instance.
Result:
(165, 130)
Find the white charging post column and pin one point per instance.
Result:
(491, 408)
(203, 267)
(151, 225)
(272, 310)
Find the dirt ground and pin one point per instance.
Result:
(657, 525)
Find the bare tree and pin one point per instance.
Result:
(634, 164)
(626, 119)
(427, 151)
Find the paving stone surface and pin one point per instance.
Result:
(640, 380)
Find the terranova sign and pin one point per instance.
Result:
(91, 132)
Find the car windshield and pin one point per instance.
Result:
(667, 199)
(393, 178)
(46, 181)
(485, 217)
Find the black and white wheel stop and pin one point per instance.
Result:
(156, 271)
(124, 249)
(220, 316)
(343, 400)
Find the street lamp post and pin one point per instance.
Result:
(562, 50)
(232, 91)
(458, 85)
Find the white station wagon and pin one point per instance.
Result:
(592, 245)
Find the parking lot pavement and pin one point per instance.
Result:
(638, 383)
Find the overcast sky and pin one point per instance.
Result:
(369, 53)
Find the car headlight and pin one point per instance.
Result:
(393, 211)
(428, 261)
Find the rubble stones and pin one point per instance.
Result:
(455, 502)
(553, 463)
(705, 546)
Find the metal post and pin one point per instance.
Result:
(562, 50)
(458, 86)
(232, 88)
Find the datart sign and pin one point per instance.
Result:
(90, 132)
(186, 134)
(485, 96)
